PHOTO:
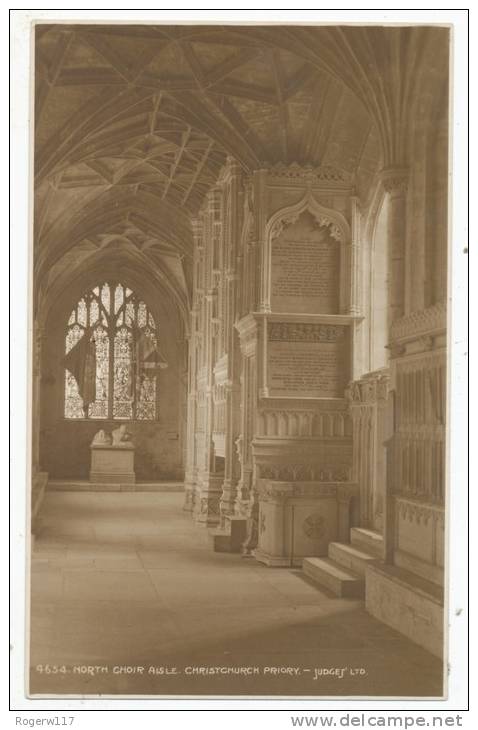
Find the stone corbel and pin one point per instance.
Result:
(396, 350)
(395, 180)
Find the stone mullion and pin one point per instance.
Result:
(364, 482)
(364, 487)
(252, 286)
(378, 463)
(370, 428)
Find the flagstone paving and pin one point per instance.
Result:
(129, 598)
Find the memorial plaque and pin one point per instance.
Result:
(305, 271)
(308, 360)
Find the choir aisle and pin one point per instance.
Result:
(124, 581)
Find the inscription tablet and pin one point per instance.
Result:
(305, 271)
(308, 360)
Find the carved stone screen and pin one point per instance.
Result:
(305, 268)
(308, 360)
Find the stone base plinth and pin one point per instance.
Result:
(296, 520)
(274, 561)
(407, 603)
(112, 464)
(84, 485)
(208, 496)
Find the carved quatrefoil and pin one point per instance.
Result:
(314, 526)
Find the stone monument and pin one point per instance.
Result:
(112, 457)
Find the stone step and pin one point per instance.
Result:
(368, 540)
(238, 529)
(331, 575)
(351, 557)
(221, 540)
(230, 538)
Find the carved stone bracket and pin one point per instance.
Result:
(368, 390)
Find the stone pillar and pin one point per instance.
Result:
(261, 272)
(231, 234)
(252, 537)
(194, 364)
(190, 471)
(355, 268)
(395, 182)
(229, 488)
(210, 491)
(210, 484)
(247, 503)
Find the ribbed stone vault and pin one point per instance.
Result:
(133, 124)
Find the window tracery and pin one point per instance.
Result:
(111, 356)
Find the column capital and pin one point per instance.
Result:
(395, 180)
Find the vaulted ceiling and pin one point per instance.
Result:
(133, 124)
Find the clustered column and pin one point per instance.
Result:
(395, 182)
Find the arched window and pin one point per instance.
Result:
(111, 357)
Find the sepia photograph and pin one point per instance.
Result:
(239, 373)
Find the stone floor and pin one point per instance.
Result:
(124, 581)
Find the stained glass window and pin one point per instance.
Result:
(121, 350)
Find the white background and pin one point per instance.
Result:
(274, 713)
